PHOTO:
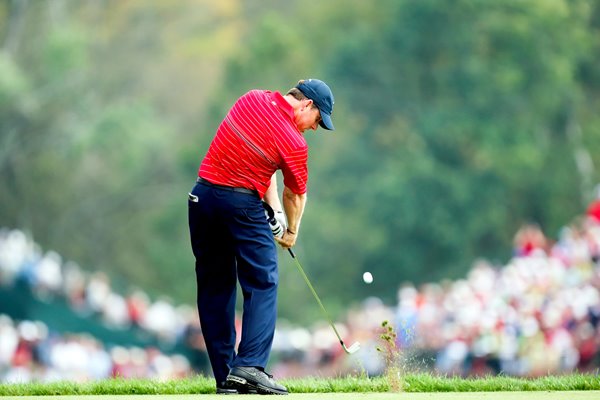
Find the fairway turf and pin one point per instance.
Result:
(419, 385)
(572, 395)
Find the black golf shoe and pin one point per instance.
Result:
(229, 388)
(249, 379)
(226, 388)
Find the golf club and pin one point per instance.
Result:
(349, 350)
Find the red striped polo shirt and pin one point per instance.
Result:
(257, 137)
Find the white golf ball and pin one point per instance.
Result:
(367, 277)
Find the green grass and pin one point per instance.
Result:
(429, 383)
(408, 383)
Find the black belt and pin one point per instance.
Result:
(204, 182)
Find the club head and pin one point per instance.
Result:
(352, 349)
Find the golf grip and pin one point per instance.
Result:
(310, 286)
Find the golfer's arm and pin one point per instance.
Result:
(293, 204)
(272, 196)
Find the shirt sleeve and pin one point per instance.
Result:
(295, 169)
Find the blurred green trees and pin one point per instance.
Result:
(473, 113)
(456, 122)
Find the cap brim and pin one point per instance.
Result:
(326, 122)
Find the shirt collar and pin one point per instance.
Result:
(277, 99)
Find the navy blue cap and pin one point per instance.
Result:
(321, 95)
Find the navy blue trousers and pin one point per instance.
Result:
(232, 241)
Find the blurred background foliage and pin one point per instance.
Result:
(456, 122)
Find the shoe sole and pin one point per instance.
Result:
(227, 392)
(243, 384)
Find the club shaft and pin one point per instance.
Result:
(312, 289)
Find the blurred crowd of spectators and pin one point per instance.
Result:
(88, 294)
(538, 314)
(29, 350)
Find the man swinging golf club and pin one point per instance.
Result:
(231, 238)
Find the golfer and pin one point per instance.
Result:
(231, 238)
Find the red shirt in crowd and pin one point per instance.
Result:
(257, 137)
(593, 210)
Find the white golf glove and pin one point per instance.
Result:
(280, 216)
(276, 220)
